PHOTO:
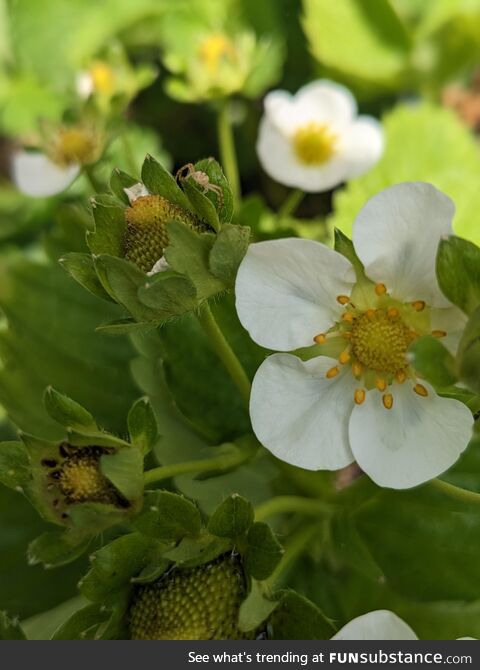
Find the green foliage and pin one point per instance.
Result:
(469, 353)
(296, 618)
(10, 629)
(433, 361)
(168, 516)
(458, 272)
(263, 551)
(232, 518)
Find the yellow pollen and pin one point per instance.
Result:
(392, 312)
(359, 396)
(387, 401)
(320, 338)
(439, 333)
(381, 384)
(420, 390)
(400, 377)
(214, 49)
(343, 299)
(348, 316)
(380, 289)
(344, 357)
(418, 305)
(357, 368)
(314, 143)
(333, 372)
(74, 145)
(80, 479)
(347, 334)
(380, 343)
(102, 77)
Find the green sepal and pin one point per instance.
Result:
(86, 438)
(67, 412)
(217, 177)
(81, 267)
(96, 517)
(297, 618)
(232, 518)
(344, 246)
(228, 252)
(458, 272)
(169, 294)
(256, 608)
(263, 551)
(115, 564)
(433, 361)
(14, 465)
(57, 547)
(10, 629)
(142, 425)
(124, 470)
(151, 572)
(119, 181)
(167, 516)
(192, 552)
(201, 204)
(83, 624)
(109, 216)
(160, 182)
(123, 327)
(468, 355)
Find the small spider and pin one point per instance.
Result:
(202, 179)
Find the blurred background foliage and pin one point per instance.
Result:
(412, 63)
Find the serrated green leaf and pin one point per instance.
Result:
(256, 608)
(169, 294)
(228, 251)
(433, 361)
(297, 618)
(167, 516)
(263, 551)
(142, 425)
(57, 547)
(125, 471)
(422, 143)
(458, 272)
(82, 269)
(14, 465)
(109, 217)
(232, 518)
(160, 182)
(67, 412)
(119, 181)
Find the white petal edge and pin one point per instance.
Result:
(36, 175)
(453, 321)
(362, 146)
(286, 291)
(410, 444)
(396, 237)
(300, 415)
(376, 625)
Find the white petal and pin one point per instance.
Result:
(286, 291)
(415, 441)
(159, 266)
(84, 84)
(299, 414)
(362, 145)
(136, 191)
(36, 175)
(453, 321)
(396, 236)
(320, 101)
(377, 625)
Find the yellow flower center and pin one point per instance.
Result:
(103, 78)
(373, 341)
(314, 143)
(214, 49)
(81, 480)
(75, 145)
(380, 340)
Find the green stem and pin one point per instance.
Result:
(223, 462)
(228, 156)
(455, 492)
(128, 153)
(291, 504)
(95, 183)
(291, 203)
(293, 549)
(225, 352)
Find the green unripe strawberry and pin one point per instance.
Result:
(195, 604)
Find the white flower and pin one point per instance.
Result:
(358, 399)
(314, 139)
(36, 175)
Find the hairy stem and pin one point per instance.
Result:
(291, 203)
(222, 462)
(456, 492)
(291, 505)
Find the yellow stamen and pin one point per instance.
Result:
(343, 299)
(370, 313)
(344, 357)
(420, 390)
(392, 312)
(348, 316)
(320, 338)
(418, 305)
(314, 143)
(439, 333)
(381, 384)
(359, 396)
(347, 334)
(357, 368)
(333, 372)
(400, 376)
(380, 289)
(387, 401)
